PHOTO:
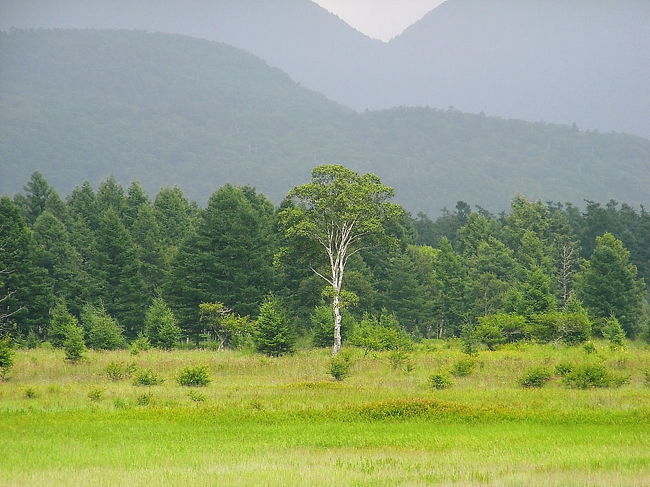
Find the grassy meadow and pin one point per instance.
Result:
(285, 421)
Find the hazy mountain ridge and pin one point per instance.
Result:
(168, 109)
(584, 61)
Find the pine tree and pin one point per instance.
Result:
(148, 239)
(450, 306)
(62, 261)
(273, 333)
(116, 270)
(228, 259)
(103, 331)
(160, 325)
(60, 320)
(25, 287)
(37, 193)
(609, 286)
(74, 344)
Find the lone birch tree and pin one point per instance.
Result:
(342, 212)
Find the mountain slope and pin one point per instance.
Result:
(584, 61)
(168, 109)
(315, 47)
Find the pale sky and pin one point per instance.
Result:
(380, 19)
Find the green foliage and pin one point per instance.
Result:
(117, 371)
(74, 344)
(144, 399)
(30, 393)
(322, 325)
(494, 330)
(103, 331)
(140, 344)
(147, 377)
(60, 319)
(609, 285)
(194, 376)
(535, 377)
(592, 376)
(196, 396)
(377, 333)
(571, 328)
(440, 381)
(6, 357)
(339, 367)
(614, 333)
(589, 348)
(564, 368)
(463, 367)
(160, 325)
(273, 333)
(96, 395)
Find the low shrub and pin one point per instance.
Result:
(399, 359)
(96, 395)
(339, 367)
(147, 377)
(140, 344)
(597, 376)
(144, 399)
(115, 371)
(463, 367)
(564, 368)
(646, 377)
(535, 377)
(30, 393)
(440, 381)
(194, 376)
(196, 396)
(589, 348)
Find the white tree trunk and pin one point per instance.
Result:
(337, 325)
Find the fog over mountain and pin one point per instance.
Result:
(173, 110)
(585, 61)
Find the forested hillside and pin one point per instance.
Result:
(546, 272)
(582, 62)
(167, 110)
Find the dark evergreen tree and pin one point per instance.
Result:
(450, 305)
(60, 320)
(149, 241)
(229, 259)
(609, 284)
(110, 194)
(37, 193)
(273, 333)
(160, 325)
(62, 261)
(136, 199)
(176, 216)
(116, 272)
(25, 287)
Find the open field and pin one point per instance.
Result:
(284, 421)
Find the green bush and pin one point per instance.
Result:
(535, 377)
(196, 396)
(194, 376)
(597, 376)
(30, 393)
(613, 331)
(96, 395)
(564, 368)
(6, 357)
(440, 381)
(273, 333)
(104, 332)
(399, 359)
(161, 326)
(144, 399)
(494, 330)
(147, 377)
(74, 345)
(589, 348)
(339, 367)
(463, 367)
(380, 333)
(115, 371)
(60, 319)
(322, 324)
(140, 344)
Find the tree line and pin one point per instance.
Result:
(127, 266)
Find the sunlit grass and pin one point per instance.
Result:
(284, 421)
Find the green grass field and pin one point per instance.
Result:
(284, 421)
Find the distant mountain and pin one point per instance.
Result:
(582, 61)
(579, 61)
(167, 109)
(315, 47)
